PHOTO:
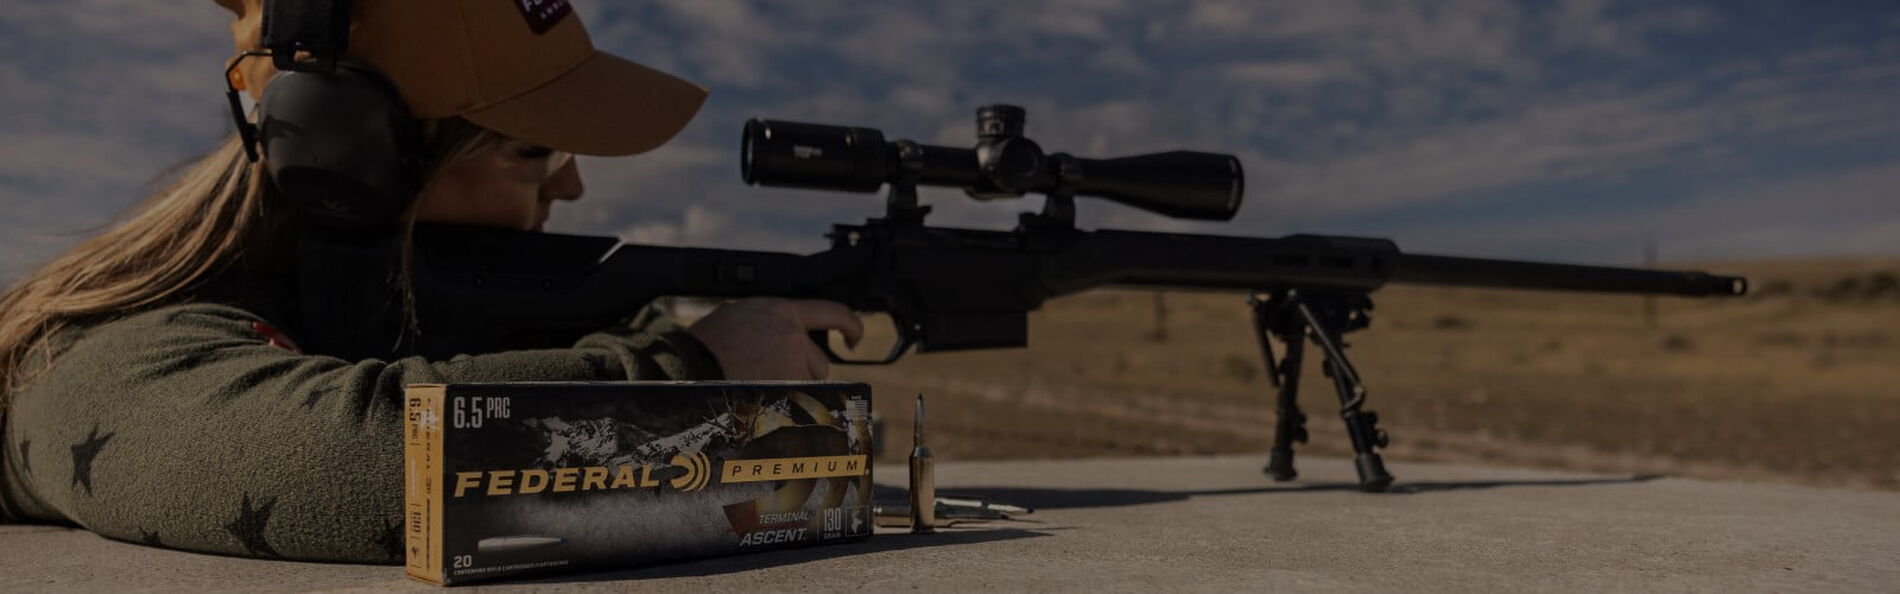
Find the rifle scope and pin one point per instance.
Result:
(1004, 164)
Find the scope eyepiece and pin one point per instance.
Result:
(815, 156)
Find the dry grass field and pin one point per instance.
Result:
(1799, 382)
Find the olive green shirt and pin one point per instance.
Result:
(187, 427)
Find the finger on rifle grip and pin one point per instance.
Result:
(830, 315)
(817, 361)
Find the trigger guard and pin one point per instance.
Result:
(823, 339)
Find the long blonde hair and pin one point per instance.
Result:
(220, 214)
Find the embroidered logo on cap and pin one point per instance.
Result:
(543, 14)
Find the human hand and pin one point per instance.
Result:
(766, 338)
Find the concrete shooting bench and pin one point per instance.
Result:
(1196, 524)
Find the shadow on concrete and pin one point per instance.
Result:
(1077, 498)
(736, 563)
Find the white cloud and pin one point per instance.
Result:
(729, 39)
(1343, 112)
(1587, 25)
(1358, 108)
(1122, 61)
(700, 225)
(1845, 212)
(1292, 73)
(1599, 135)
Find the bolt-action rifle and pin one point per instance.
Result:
(946, 289)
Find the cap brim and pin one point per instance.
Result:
(606, 106)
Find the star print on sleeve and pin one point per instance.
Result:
(310, 400)
(150, 538)
(84, 453)
(249, 526)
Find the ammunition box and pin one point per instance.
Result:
(540, 478)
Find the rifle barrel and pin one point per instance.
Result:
(1422, 269)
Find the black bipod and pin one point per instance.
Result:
(1293, 317)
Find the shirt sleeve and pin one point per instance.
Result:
(188, 427)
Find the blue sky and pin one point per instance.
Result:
(1553, 130)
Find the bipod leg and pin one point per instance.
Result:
(1326, 327)
(1273, 318)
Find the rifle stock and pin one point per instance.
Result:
(948, 289)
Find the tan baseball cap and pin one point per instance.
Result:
(524, 68)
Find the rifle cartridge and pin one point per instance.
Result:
(923, 480)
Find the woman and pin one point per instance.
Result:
(153, 390)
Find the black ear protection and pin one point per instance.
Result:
(338, 139)
(341, 146)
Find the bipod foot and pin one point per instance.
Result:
(1372, 475)
(1280, 465)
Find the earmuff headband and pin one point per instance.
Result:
(319, 27)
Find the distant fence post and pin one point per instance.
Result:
(1649, 299)
(1161, 317)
